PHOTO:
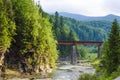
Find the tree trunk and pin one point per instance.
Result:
(2, 67)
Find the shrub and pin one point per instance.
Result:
(87, 77)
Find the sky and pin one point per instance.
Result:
(83, 7)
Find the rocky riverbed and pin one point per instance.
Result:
(66, 72)
(72, 72)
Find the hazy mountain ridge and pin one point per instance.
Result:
(79, 17)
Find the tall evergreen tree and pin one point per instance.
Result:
(112, 53)
(57, 23)
(56, 26)
(63, 30)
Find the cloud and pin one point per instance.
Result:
(84, 7)
(113, 6)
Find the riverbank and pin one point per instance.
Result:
(65, 71)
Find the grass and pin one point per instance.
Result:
(87, 77)
(95, 77)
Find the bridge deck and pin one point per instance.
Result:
(79, 42)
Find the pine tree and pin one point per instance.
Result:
(57, 22)
(112, 53)
(56, 26)
(64, 30)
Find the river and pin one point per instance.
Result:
(72, 72)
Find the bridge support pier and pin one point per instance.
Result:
(99, 51)
(73, 55)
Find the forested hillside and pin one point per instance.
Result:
(90, 30)
(26, 37)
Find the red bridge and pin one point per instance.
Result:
(74, 43)
(79, 42)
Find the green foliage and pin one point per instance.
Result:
(106, 25)
(72, 36)
(83, 54)
(96, 77)
(26, 18)
(46, 45)
(95, 63)
(87, 52)
(111, 49)
(7, 25)
(92, 56)
(25, 29)
(105, 48)
(7, 28)
(87, 77)
(89, 31)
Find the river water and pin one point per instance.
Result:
(72, 72)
